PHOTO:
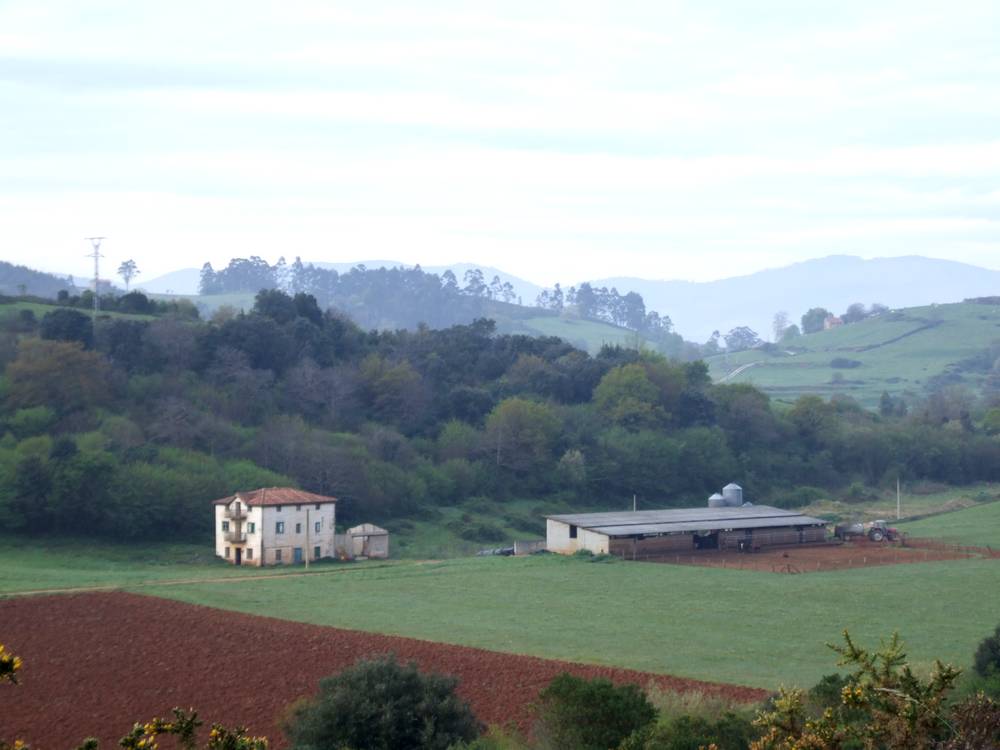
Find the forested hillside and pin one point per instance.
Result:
(130, 428)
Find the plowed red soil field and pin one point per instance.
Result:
(94, 663)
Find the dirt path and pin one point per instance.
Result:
(739, 370)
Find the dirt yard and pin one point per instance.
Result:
(94, 663)
(815, 558)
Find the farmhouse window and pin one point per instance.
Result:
(315, 553)
(227, 551)
(298, 507)
(317, 506)
(572, 532)
(279, 509)
(277, 555)
(317, 526)
(251, 528)
(279, 527)
(249, 553)
(298, 528)
(225, 525)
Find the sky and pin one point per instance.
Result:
(559, 141)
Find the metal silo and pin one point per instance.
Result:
(733, 494)
(717, 501)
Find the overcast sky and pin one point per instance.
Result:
(558, 141)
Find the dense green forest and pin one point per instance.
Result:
(130, 427)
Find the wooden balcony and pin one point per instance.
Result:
(237, 514)
(235, 537)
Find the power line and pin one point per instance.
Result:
(96, 255)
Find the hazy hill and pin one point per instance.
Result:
(907, 353)
(185, 280)
(834, 282)
(15, 279)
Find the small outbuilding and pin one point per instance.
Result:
(727, 523)
(369, 540)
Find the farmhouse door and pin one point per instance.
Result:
(239, 555)
(298, 554)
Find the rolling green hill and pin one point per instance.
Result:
(901, 352)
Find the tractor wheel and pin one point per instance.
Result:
(876, 535)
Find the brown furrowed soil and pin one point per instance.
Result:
(820, 557)
(95, 663)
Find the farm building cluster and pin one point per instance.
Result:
(725, 523)
(285, 526)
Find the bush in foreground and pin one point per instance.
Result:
(379, 704)
(589, 715)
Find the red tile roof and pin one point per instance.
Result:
(276, 496)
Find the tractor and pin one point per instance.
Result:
(876, 531)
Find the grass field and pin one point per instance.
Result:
(919, 499)
(11, 309)
(590, 335)
(899, 352)
(32, 565)
(693, 622)
(758, 629)
(978, 526)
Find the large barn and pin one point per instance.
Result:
(725, 524)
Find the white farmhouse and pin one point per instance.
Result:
(274, 526)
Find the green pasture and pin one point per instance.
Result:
(586, 334)
(899, 353)
(918, 499)
(978, 526)
(47, 564)
(11, 309)
(749, 628)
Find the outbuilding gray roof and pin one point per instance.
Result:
(686, 519)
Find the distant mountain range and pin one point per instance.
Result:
(698, 308)
(834, 282)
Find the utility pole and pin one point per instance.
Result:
(96, 255)
(897, 499)
(633, 504)
(308, 550)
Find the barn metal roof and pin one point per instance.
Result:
(687, 519)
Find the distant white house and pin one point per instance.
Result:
(274, 526)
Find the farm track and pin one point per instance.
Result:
(95, 663)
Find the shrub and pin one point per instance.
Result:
(589, 715)
(728, 731)
(987, 658)
(843, 363)
(379, 704)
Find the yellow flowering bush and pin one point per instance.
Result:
(898, 710)
(10, 664)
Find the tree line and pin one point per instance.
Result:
(130, 427)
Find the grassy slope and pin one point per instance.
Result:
(978, 526)
(11, 309)
(940, 335)
(920, 500)
(586, 334)
(747, 628)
